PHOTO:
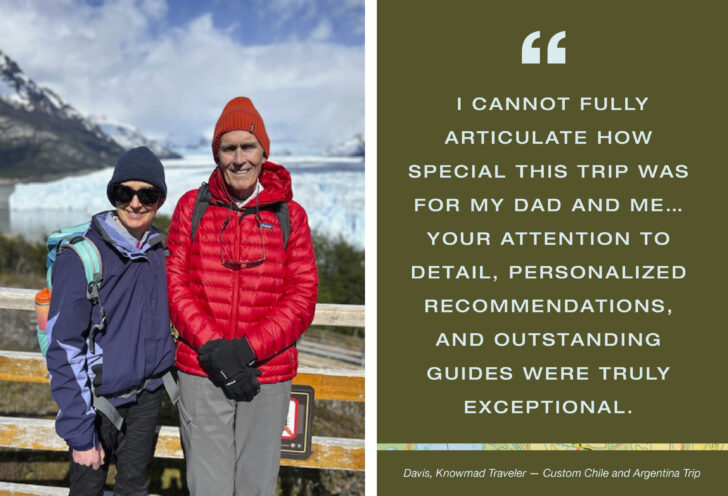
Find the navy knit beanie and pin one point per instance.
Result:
(138, 164)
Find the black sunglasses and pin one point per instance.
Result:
(124, 194)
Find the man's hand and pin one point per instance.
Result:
(93, 457)
(224, 359)
(244, 386)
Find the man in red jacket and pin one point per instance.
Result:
(241, 292)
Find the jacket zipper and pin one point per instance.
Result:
(236, 274)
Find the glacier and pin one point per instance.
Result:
(331, 189)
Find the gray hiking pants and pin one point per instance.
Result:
(232, 448)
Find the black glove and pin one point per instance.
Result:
(244, 386)
(224, 359)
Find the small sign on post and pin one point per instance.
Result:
(297, 433)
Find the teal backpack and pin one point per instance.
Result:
(72, 237)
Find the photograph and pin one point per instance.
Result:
(182, 247)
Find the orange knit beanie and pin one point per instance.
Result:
(240, 114)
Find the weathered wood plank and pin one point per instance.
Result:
(39, 434)
(339, 315)
(328, 384)
(35, 434)
(22, 366)
(332, 384)
(326, 313)
(17, 299)
(307, 360)
(14, 489)
(332, 453)
(169, 444)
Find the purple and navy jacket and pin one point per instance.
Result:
(136, 344)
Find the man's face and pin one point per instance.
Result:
(240, 158)
(135, 216)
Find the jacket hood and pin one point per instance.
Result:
(276, 181)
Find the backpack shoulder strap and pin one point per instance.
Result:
(284, 220)
(90, 258)
(201, 203)
(89, 255)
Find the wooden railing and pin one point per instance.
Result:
(326, 314)
(328, 384)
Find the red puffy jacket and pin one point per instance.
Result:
(271, 303)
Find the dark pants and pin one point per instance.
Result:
(133, 447)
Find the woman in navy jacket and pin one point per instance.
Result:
(135, 349)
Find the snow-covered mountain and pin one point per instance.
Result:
(128, 137)
(353, 147)
(42, 136)
(23, 94)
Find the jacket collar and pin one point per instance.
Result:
(105, 225)
(275, 179)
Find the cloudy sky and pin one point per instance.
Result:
(169, 66)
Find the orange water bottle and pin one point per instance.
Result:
(42, 305)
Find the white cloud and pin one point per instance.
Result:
(322, 31)
(112, 60)
(285, 10)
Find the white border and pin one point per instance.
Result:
(370, 268)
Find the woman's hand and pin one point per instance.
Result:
(93, 457)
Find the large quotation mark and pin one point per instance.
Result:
(532, 55)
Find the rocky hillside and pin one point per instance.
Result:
(42, 137)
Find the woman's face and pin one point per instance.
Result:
(135, 216)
